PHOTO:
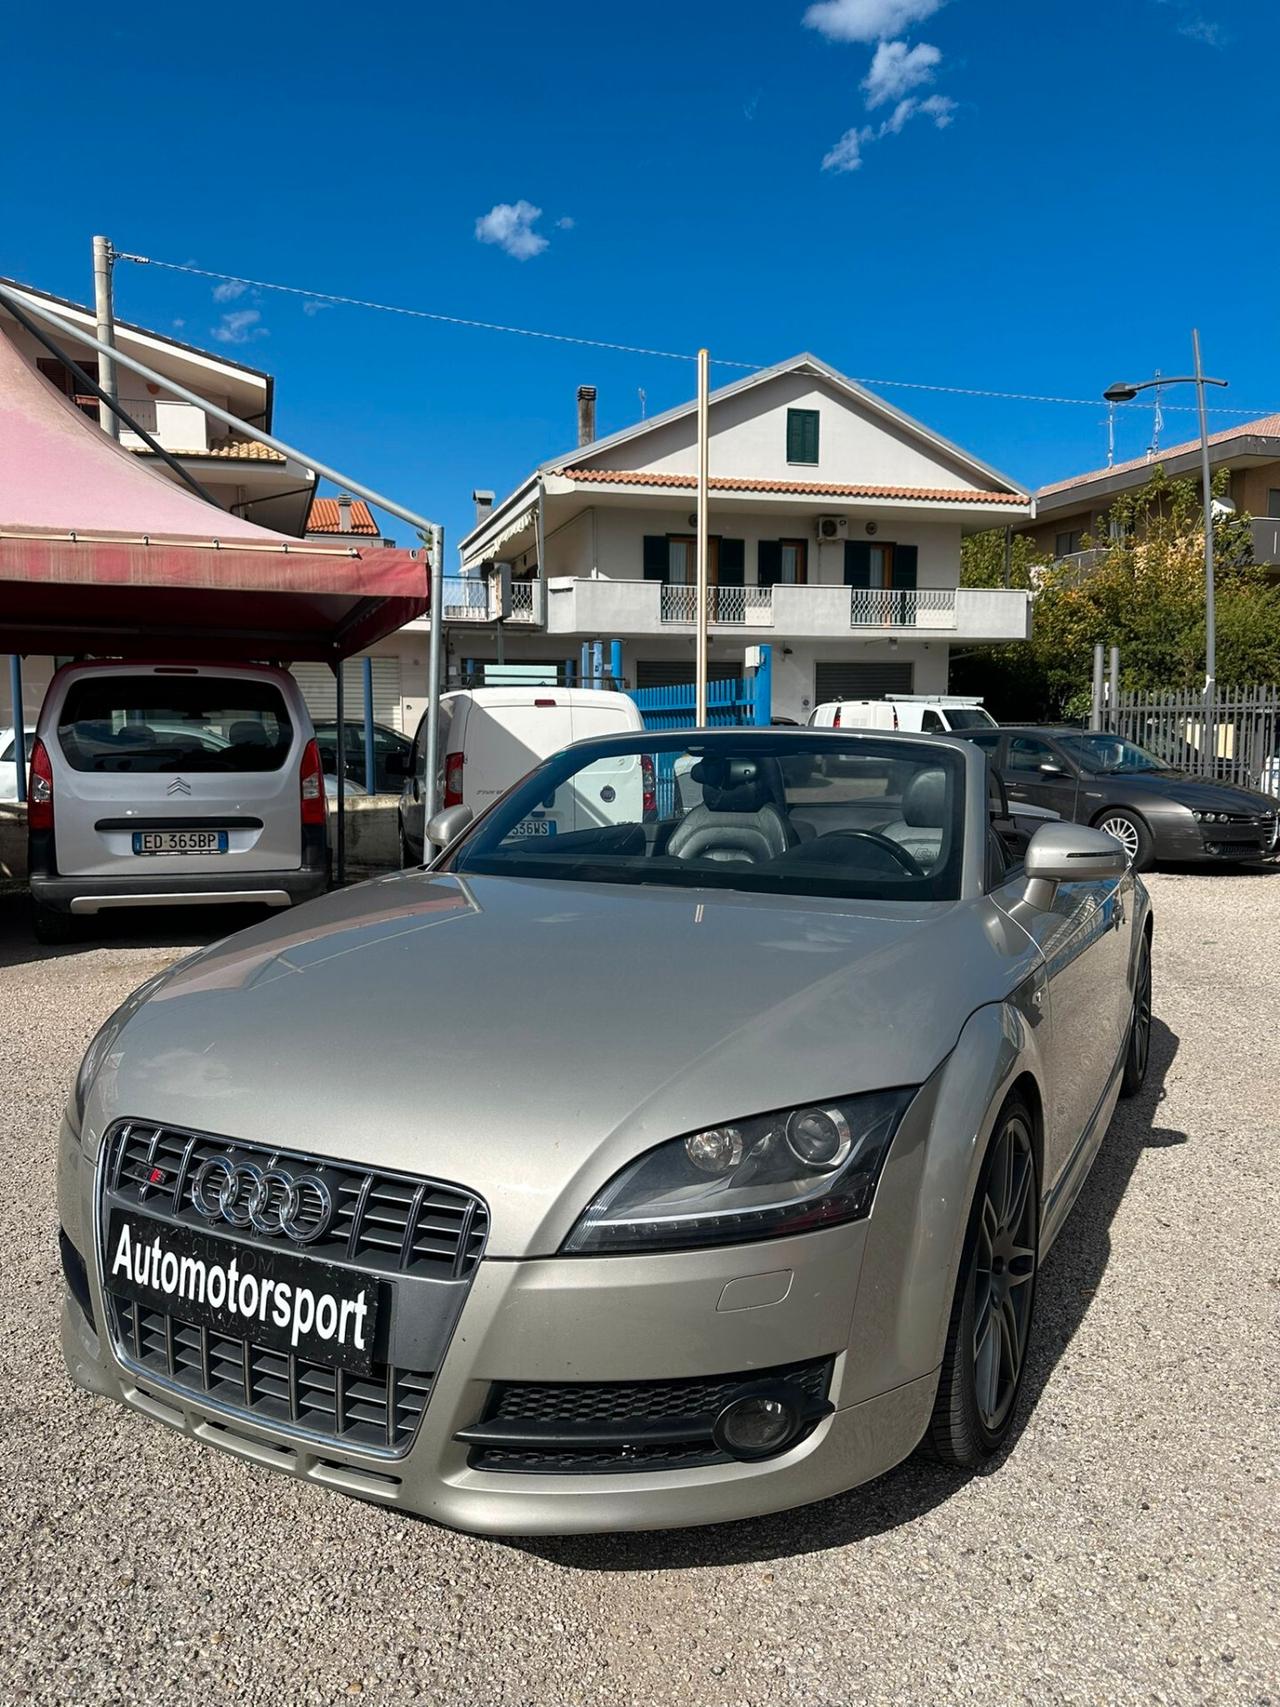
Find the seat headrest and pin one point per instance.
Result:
(924, 804)
(733, 785)
(244, 732)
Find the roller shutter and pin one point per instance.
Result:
(320, 690)
(844, 680)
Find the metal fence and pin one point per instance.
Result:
(730, 704)
(724, 604)
(1234, 739)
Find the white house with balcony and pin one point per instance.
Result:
(835, 525)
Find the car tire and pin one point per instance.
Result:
(1132, 834)
(1138, 1049)
(52, 927)
(993, 1311)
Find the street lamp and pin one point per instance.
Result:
(1126, 394)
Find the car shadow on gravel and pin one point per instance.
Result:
(159, 928)
(1072, 1275)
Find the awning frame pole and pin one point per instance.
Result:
(19, 727)
(78, 335)
(430, 790)
(370, 777)
(700, 656)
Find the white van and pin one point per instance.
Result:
(491, 737)
(920, 713)
(155, 784)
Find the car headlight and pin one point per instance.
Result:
(774, 1174)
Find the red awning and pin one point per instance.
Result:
(99, 553)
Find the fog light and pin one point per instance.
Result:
(758, 1424)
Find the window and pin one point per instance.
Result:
(61, 377)
(672, 557)
(784, 560)
(157, 723)
(1026, 754)
(1273, 502)
(1065, 543)
(802, 435)
(881, 565)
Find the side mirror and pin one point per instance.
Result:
(451, 822)
(1068, 853)
(1051, 768)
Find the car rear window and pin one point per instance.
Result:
(185, 723)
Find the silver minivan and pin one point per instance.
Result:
(155, 784)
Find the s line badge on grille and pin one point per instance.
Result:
(270, 1200)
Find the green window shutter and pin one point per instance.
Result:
(657, 557)
(768, 562)
(857, 563)
(733, 562)
(905, 561)
(802, 435)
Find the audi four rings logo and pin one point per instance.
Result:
(270, 1200)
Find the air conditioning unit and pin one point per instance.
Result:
(833, 527)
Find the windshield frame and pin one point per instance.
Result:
(970, 803)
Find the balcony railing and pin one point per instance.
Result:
(746, 606)
(466, 599)
(885, 607)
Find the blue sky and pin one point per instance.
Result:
(1021, 195)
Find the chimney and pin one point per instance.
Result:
(586, 414)
(344, 512)
(483, 502)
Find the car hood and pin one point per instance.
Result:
(1202, 794)
(527, 1038)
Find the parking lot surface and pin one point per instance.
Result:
(1125, 1549)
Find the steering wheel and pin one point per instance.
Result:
(905, 861)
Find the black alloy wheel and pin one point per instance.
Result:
(991, 1317)
(1138, 1051)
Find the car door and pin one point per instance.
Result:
(1040, 774)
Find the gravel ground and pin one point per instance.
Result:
(1125, 1550)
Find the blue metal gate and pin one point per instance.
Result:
(735, 703)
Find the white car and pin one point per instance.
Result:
(491, 737)
(8, 771)
(154, 784)
(920, 714)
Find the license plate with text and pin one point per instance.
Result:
(180, 841)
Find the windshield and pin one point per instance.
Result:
(1109, 755)
(162, 723)
(750, 810)
(969, 717)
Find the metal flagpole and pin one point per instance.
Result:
(430, 804)
(103, 260)
(700, 667)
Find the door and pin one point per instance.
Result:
(1029, 782)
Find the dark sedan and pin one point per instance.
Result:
(1154, 812)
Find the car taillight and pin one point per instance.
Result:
(453, 780)
(836, 720)
(40, 789)
(312, 785)
(649, 782)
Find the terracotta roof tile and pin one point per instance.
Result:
(797, 488)
(229, 450)
(1267, 427)
(323, 517)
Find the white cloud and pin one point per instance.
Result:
(565, 223)
(846, 156)
(239, 327)
(1189, 21)
(312, 307)
(228, 290)
(178, 325)
(510, 226)
(897, 68)
(940, 108)
(867, 20)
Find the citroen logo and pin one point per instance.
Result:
(178, 786)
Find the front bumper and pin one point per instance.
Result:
(595, 1320)
(1211, 844)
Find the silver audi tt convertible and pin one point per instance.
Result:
(681, 1145)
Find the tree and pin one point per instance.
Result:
(1144, 594)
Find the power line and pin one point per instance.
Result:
(636, 349)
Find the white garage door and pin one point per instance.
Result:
(321, 691)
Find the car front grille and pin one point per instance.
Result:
(387, 1222)
(427, 1234)
(603, 1428)
(380, 1412)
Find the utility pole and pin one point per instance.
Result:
(1095, 709)
(1206, 478)
(104, 309)
(430, 800)
(700, 669)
